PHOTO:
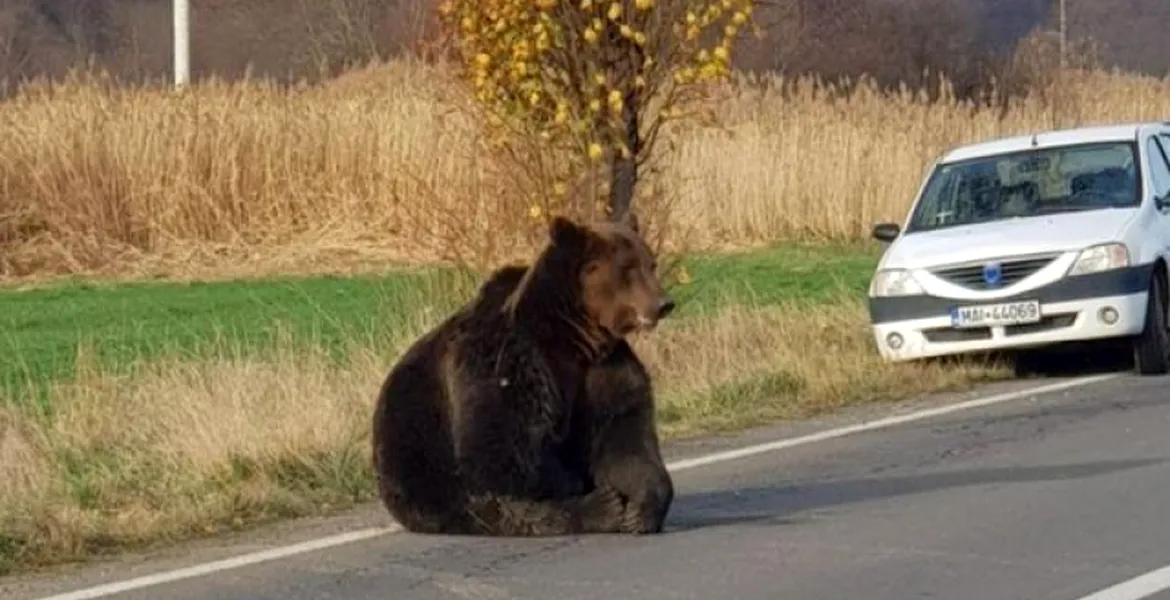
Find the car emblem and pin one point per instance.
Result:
(993, 274)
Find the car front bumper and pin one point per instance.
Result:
(1070, 309)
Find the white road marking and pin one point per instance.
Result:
(1142, 586)
(829, 434)
(223, 565)
(244, 560)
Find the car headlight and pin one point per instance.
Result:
(1104, 257)
(894, 282)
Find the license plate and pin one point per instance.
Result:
(989, 315)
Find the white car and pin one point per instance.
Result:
(1034, 240)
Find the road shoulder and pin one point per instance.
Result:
(371, 515)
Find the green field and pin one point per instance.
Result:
(121, 324)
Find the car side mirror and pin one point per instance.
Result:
(1160, 202)
(886, 232)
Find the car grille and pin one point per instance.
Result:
(971, 276)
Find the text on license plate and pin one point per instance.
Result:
(988, 315)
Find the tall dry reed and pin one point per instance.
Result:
(250, 177)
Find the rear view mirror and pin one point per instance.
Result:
(886, 232)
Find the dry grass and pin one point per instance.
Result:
(249, 179)
(188, 448)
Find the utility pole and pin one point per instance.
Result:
(1063, 36)
(182, 37)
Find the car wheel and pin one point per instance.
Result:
(1152, 346)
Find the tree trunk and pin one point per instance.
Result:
(624, 170)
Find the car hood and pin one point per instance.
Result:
(1030, 235)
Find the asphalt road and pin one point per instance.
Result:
(1048, 497)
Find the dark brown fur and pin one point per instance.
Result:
(614, 438)
(617, 421)
(471, 422)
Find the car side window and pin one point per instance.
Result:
(1159, 168)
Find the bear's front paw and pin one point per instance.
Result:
(634, 521)
(642, 518)
(607, 509)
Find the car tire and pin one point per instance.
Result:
(1151, 349)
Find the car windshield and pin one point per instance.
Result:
(1030, 183)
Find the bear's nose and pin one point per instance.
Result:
(665, 308)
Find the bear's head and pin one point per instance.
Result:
(616, 272)
(591, 286)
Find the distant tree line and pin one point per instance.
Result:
(890, 41)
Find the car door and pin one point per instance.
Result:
(1158, 162)
(1158, 148)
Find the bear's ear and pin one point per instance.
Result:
(566, 234)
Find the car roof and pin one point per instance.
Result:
(1049, 138)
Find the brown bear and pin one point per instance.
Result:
(613, 440)
(472, 423)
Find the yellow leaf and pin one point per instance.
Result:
(590, 35)
(594, 151)
(643, 4)
(684, 277)
(615, 11)
(535, 211)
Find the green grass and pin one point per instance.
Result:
(783, 274)
(43, 329)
